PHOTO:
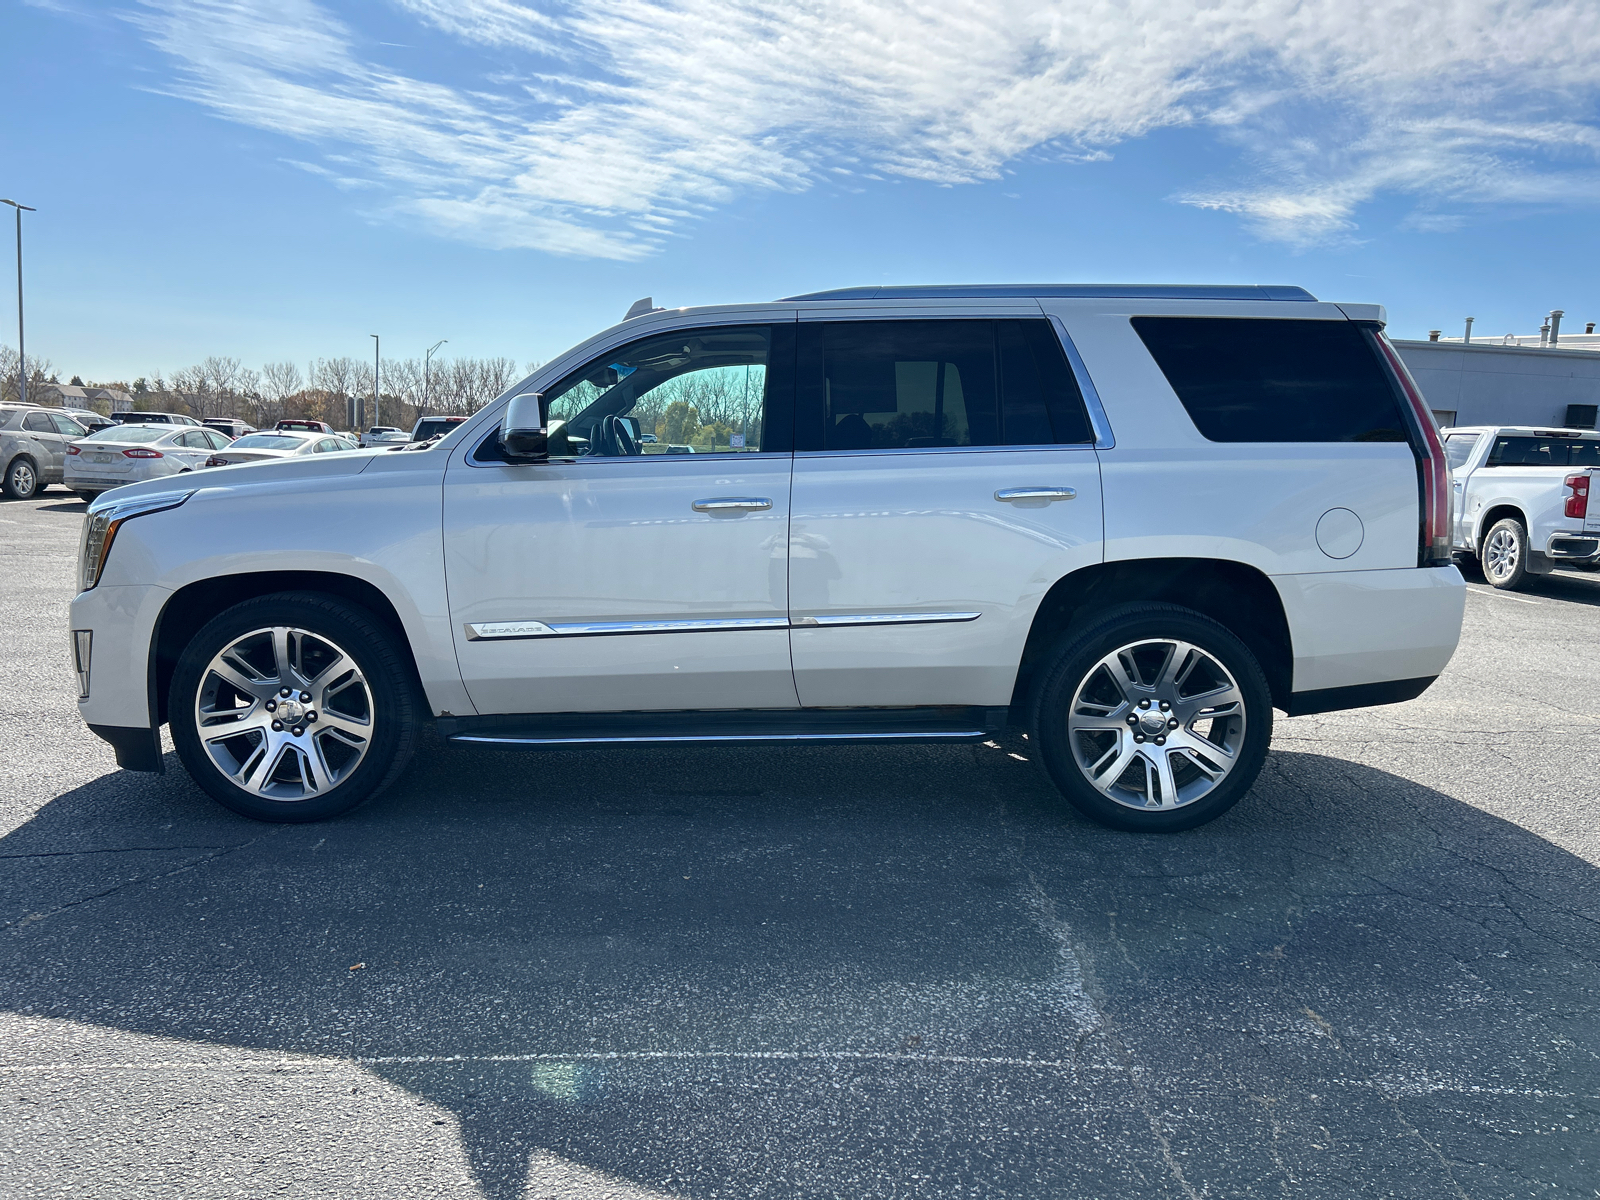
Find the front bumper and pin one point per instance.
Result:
(123, 621)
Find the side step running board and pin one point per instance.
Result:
(747, 727)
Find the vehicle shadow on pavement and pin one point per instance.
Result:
(866, 971)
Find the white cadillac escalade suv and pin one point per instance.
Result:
(1131, 520)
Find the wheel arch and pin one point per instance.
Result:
(1495, 513)
(192, 605)
(1234, 594)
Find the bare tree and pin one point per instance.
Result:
(40, 370)
(279, 381)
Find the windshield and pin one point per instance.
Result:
(126, 434)
(268, 441)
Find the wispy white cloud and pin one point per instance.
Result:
(599, 127)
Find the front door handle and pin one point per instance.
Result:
(732, 503)
(1012, 495)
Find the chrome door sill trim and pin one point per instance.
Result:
(946, 735)
(836, 619)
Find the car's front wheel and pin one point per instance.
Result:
(293, 707)
(1154, 719)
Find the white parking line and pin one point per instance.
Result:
(1483, 591)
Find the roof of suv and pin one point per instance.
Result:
(1072, 291)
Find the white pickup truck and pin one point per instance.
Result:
(1522, 499)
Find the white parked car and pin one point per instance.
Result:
(1130, 520)
(122, 454)
(1522, 499)
(270, 444)
(379, 433)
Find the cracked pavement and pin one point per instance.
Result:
(864, 972)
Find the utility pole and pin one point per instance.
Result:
(22, 350)
(425, 359)
(375, 346)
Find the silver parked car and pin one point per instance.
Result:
(33, 447)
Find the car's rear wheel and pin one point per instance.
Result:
(293, 707)
(1154, 719)
(1505, 554)
(22, 478)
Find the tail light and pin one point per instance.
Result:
(73, 450)
(1433, 545)
(214, 461)
(142, 454)
(1578, 502)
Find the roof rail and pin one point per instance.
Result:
(1067, 291)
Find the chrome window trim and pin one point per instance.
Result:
(1103, 437)
(944, 450)
(471, 456)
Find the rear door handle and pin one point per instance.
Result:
(1011, 495)
(732, 503)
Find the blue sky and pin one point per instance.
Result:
(278, 179)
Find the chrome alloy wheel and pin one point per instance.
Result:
(1500, 554)
(1156, 724)
(284, 713)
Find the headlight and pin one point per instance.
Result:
(101, 525)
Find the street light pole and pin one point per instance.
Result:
(375, 345)
(22, 351)
(425, 359)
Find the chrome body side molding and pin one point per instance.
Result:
(516, 630)
(836, 619)
(483, 631)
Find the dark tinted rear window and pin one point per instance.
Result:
(935, 383)
(1534, 451)
(1245, 380)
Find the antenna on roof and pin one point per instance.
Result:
(641, 308)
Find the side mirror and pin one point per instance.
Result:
(525, 432)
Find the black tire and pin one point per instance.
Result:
(22, 478)
(1504, 555)
(389, 700)
(1076, 664)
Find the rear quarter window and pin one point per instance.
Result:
(1458, 448)
(1275, 380)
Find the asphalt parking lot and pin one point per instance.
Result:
(867, 972)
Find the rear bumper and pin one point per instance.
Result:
(1355, 630)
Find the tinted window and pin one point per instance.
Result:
(38, 422)
(1535, 451)
(884, 385)
(1458, 448)
(1249, 380)
(193, 441)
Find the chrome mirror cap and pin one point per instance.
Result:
(524, 433)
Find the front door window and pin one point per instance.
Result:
(695, 391)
